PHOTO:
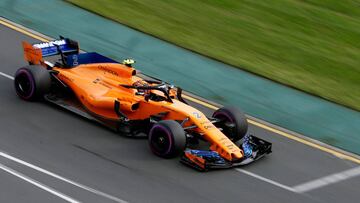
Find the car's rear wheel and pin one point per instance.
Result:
(32, 82)
(167, 139)
(232, 121)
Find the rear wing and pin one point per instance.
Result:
(34, 53)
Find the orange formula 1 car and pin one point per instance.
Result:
(111, 93)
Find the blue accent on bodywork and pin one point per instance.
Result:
(54, 47)
(87, 58)
(247, 147)
(210, 156)
(53, 50)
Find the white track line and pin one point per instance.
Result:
(84, 187)
(7, 76)
(327, 180)
(266, 180)
(38, 184)
(311, 185)
(97, 192)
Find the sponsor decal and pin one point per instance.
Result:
(107, 70)
(96, 80)
(196, 114)
(105, 85)
(50, 44)
(75, 60)
(204, 122)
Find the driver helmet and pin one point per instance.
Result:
(128, 62)
(141, 83)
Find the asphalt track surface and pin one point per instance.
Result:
(50, 155)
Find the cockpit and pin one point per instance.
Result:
(153, 90)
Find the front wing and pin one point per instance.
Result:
(254, 148)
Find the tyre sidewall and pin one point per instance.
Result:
(26, 73)
(39, 79)
(176, 137)
(237, 117)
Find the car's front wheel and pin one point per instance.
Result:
(232, 121)
(167, 139)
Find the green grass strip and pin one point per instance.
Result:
(311, 45)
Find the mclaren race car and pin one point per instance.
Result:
(113, 94)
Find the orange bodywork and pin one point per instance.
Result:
(97, 86)
(196, 159)
(31, 54)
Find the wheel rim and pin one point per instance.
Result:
(24, 85)
(160, 140)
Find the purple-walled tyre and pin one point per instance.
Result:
(167, 139)
(232, 121)
(32, 82)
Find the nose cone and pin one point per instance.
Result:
(229, 152)
(237, 155)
